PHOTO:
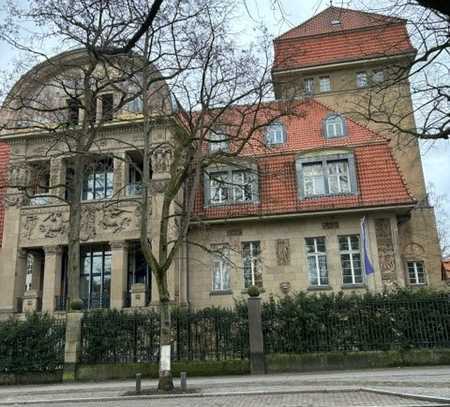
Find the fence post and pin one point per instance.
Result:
(257, 360)
(72, 347)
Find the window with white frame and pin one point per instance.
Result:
(334, 126)
(308, 85)
(218, 141)
(378, 76)
(325, 84)
(221, 267)
(317, 261)
(251, 258)
(219, 186)
(350, 259)
(232, 186)
(338, 177)
(361, 79)
(416, 273)
(326, 175)
(275, 134)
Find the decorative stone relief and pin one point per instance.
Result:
(330, 225)
(283, 255)
(386, 254)
(158, 186)
(88, 228)
(29, 224)
(161, 159)
(115, 219)
(285, 287)
(414, 249)
(13, 200)
(53, 225)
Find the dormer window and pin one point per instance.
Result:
(334, 126)
(218, 141)
(275, 134)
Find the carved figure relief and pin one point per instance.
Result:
(88, 229)
(282, 247)
(158, 186)
(28, 226)
(115, 219)
(386, 254)
(161, 160)
(13, 200)
(53, 225)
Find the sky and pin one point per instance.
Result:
(435, 156)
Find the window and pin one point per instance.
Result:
(361, 79)
(314, 179)
(416, 273)
(138, 271)
(326, 175)
(73, 112)
(136, 105)
(275, 134)
(251, 253)
(231, 186)
(135, 172)
(335, 126)
(218, 142)
(350, 259)
(221, 267)
(317, 261)
(107, 107)
(378, 76)
(325, 84)
(40, 183)
(338, 177)
(95, 278)
(98, 180)
(308, 85)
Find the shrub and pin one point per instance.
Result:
(33, 345)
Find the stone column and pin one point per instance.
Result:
(52, 277)
(120, 175)
(119, 270)
(257, 360)
(57, 177)
(72, 347)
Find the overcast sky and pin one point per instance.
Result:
(436, 157)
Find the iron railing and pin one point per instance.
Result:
(120, 337)
(378, 325)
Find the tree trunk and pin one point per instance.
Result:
(74, 261)
(165, 370)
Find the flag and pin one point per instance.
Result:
(368, 265)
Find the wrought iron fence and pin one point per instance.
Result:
(35, 344)
(356, 326)
(121, 337)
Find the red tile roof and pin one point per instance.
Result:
(379, 180)
(349, 20)
(316, 42)
(4, 161)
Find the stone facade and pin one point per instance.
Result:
(402, 241)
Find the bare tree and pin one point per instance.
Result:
(427, 72)
(440, 203)
(212, 91)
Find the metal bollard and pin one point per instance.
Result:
(183, 381)
(138, 383)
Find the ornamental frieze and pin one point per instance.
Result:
(51, 224)
(386, 253)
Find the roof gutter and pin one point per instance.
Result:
(341, 64)
(407, 207)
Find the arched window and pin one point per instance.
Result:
(335, 126)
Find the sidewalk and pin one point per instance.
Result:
(428, 381)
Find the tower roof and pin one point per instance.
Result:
(337, 19)
(341, 35)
